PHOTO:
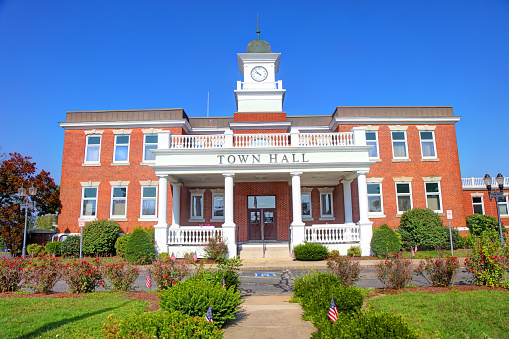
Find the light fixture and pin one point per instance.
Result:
(499, 196)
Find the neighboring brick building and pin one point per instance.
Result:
(260, 173)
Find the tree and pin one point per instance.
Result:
(17, 170)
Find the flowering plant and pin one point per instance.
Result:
(167, 273)
(345, 269)
(121, 276)
(11, 271)
(438, 272)
(395, 272)
(42, 275)
(486, 262)
(82, 277)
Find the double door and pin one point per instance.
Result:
(262, 224)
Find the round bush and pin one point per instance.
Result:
(310, 251)
(71, 246)
(99, 237)
(304, 286)
(120, 245)
(354, 251)
(139, 248)
(193, 297)
(424, 228)
(35, 250)
(479, 223)
(54, 247)
(384, 241)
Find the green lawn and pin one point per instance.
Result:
(474, 314)
(460, 253)
(65, 317)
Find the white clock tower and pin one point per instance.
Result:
(259, 92)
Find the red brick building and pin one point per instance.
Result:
(260, 174)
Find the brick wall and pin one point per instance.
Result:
(489, 207)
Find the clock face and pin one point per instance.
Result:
(259, 73)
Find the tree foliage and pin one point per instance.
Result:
(424, 228)
(17, 170)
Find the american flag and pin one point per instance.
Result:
(208, 316)
(172, 256)
(415, 249)
(293, 255)
(333, 311)
(149, 281)
(224, 284)
(195, 257)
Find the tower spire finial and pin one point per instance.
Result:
(258, 26)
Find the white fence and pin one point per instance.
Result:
(479, 182)
(192, 235)
(325, 139)
(332, 234)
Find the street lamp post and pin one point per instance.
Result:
(497, 195)
(26, 204)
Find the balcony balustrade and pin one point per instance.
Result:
(479, 183)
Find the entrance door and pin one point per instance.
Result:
(262, 217)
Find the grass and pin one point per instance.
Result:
(473, 314)
(78, 317)
(460, 253)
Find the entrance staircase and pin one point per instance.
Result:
(251, 250)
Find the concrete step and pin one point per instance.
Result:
(252, 251)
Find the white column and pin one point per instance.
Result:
(175, 215)
(297, 226)
(161, 229)
(347, 200)
(365, 226)
(229, 225)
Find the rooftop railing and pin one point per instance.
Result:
(479, 182)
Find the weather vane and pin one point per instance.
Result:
(258, 23)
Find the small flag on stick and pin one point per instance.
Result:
(149, 281)
(415, 249)
(413, 253)
(195, 257)
(224, 284)
(293, 255)
(172, 256)
(333, 311)
(208, 316)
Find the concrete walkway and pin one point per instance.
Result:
(268, 317)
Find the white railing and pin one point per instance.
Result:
(325, 139)
(479, 182)
(197, 141)
(261, 140)
(259, 86)
(192, 235)
(332, 234)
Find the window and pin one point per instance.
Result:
(375, 198)
(326, 205)
(121, 148)
(196, 206)
(403, 196)
(149, 142)
(306, 205)
(433, 196)
(502, 205)
(89, 202)
(428, 144)
(148, 201)
(118, 202)
(477, 205)
(399, 146)
(372, 140)
(93, 149)
(217, 206)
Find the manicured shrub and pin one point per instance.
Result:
(486, 261)
(216, 248)
(71, 246)
(304, 285)
(34, 250)
(228, 268)
(139, 248)
(54, 247)
(82, 277)
(395, 272)
(121, 276)
(354, 251)
(163, 256)
(42, 275)
(46, 221)
(11, 271)
(166, 273)
(365, 324)
(424, 228)
(333, 253)
(99, 237)
(438, 272)
(479, 223)
(194, 296)
(345, 269)
(120, 244)
(384, 242)
(310, 251)
(161, 324)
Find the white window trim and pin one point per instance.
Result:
(115, 149)
(111, 201)
(406, 144)
(215, 218)
(91, 185)
(98, 162)
(381, 213)
(194, 193)
(434, 145)
(474, 195)
(310, 216)
(141, 202)
(377, 143)
(504, 203)
(441, 210)
(325, 191)
(403, 194)
(144, 161)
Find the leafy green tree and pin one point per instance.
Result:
(99, 237)
(424, 228)
(479, 223)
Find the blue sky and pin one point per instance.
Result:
(58, 56)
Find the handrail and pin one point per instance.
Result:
(192, 235)
(332, 234)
